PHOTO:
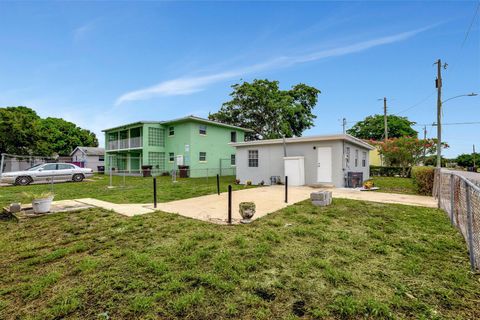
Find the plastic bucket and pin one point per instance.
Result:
(42, 205)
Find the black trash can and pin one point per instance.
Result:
(101, 169)
(183, 171)
(147, 171)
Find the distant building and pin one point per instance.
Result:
(201, 144)
(88, 157)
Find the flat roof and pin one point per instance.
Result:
(345, 137)
(183, 119)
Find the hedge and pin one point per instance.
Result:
(382, 171)
(423, 179)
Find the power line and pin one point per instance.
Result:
(416, 104)
(446, 124)
(471, 24)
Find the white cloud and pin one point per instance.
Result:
(80, 32)
(191, 84)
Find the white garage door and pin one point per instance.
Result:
(324, 164)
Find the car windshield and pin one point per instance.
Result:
(35, 167)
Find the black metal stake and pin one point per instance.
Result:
(154, 192)
(229, 204)
(286, 189)
(218, 184)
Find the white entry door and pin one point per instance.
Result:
(324, 164)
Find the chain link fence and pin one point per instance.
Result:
(459, 196)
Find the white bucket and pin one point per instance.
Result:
(42, 205)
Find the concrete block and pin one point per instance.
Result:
(321, 198)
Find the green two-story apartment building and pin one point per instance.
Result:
(200, 144)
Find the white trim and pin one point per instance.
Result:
(345, 137)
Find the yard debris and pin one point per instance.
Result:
(411, 296)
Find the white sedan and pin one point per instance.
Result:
(46, 173)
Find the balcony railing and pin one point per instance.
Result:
(135, 142)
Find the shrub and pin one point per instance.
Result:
(423, 179)
(384, 171)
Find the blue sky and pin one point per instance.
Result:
(104, 64)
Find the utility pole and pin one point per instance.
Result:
(344, 124)
(385, 124)
(424, 141)
(439, 111)
(474, 166)
(439, 127)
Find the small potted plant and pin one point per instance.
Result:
(237, 181)
(247, 210)
(368, 184)
(41, 202)
(248, 182)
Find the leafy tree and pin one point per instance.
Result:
(268, 111)
(406, 151)
(23, 132)
(373, 128)
(19, 130)
(466, 160)
(58, 136)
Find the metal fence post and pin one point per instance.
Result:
(439, 189)
(452, 198)
(218, 184)
(470, 226)
(286, 189)
(1, 163)
(155, 192)
(229, 204)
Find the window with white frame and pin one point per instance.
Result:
(364, 159)
(253, 158)
(171, 131)
(202, 129)
(347, 156)
(233, 136)
(202, 156)
(356, 157)
(232, 160)
(171, 156)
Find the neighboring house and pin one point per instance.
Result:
(201, 144)
(88, 157)
(375, 157)
(315, 160)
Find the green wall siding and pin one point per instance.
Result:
(186, 141)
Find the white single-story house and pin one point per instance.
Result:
(334, 160)
(88, 157)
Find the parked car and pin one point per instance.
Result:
(46, 172)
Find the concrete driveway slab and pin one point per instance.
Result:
(214, 208)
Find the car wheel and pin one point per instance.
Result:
(23, 181)
(78, 177)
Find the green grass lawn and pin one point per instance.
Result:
(395, 185)
(349, 260)
(136, 189)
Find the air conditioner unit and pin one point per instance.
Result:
(354, 179)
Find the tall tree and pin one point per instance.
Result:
(373, 128)
(268, 111)
(19, 130)
(23, 132)
(58, 136)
